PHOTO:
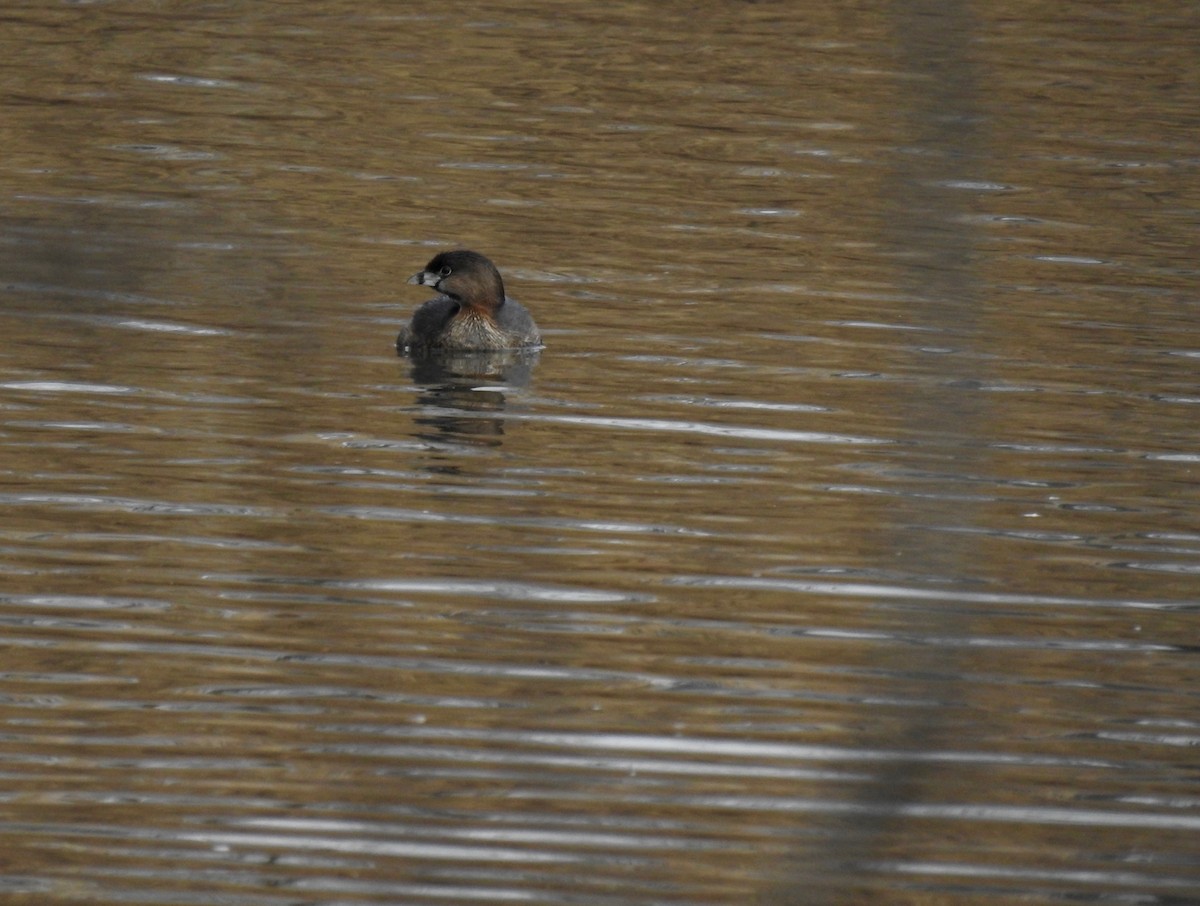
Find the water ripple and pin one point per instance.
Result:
(741, 432)
(858, 590)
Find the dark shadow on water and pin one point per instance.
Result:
(940, 119)
(464, 395)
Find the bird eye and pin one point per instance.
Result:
(444, 272)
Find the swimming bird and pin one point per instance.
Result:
(471, 314)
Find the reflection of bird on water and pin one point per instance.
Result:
(471, 314)
(464, 394)
(467, 370)
(461, 414)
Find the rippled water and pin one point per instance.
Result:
(842, 546)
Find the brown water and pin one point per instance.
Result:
(843, 545)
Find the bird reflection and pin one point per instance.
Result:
(464, 394)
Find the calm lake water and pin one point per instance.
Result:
(842, 546)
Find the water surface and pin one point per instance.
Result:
(841, 546)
